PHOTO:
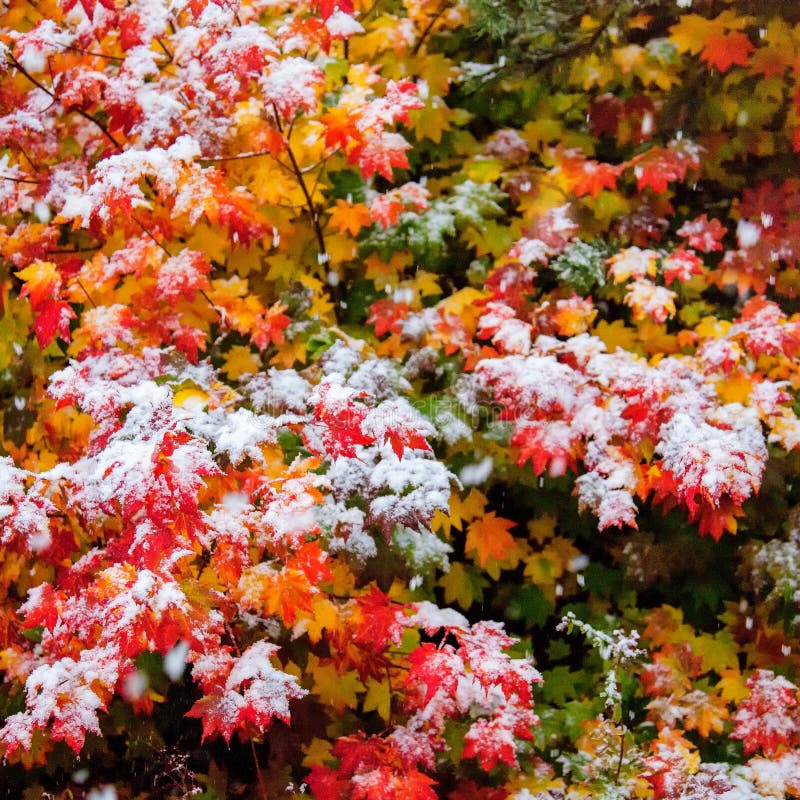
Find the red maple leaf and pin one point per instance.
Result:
(378, 624)
(327, 7)
(703, 234)
(54, 318)
(386, 314)
(242, 692)
(660, 166)
(269, 328)
(380, 153)
(433, 669)
(724, 50)
(587, 176)
(769, 717)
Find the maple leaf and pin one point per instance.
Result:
(350, 217)
(494, 740)
(380, 154)
(673, 760)
(769, 717)
(64, 697)
(385, 315)
(53, 318)
(399, 424)
(270, 325)
(724, 50)
(551, 445)
(42, 283)
(703, 234)
(242, 691)
(681, 265)
(379, 622)
(338, 429)
(327, 7)
(341, 129)
(434, 670)
(692, 31)
(659, 166)
(489, 538)
(632, 262)
(587, 176)
(333, 686)
(646, 299)
(292, 85)
(371, 768)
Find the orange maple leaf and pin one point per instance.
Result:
(489, 537)
(350, 217)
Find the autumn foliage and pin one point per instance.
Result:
(399, 399)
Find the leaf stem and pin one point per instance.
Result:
(262, 788)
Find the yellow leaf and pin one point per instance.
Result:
(289, 353)
(720, 652)
(321, 305)
(431, 122)
(712, 328)
(732, 685)
(240, 360)
(543, 131)
(735, 389)
(484, 170)
(243, 261)
(324, 616)
(440, 523)
(617, 334)
(542, 570)
(281, 267)
(274, 186)
(338, 690)
(691, 33)
(437, 71)
(379, 698)
(340, 249)
(212, 240)
(461, 586)
(591, 71)
(608, 206)
(628, 57)
(463, 298)
(426, 283)
(492, 238)
(384, 273)
(317, 753)
(11, 565)
(193, 398)
(467, 509)
(542, 528)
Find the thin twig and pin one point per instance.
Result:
(76, 49)
(621, 755)
(50, 93)
(88, 296)
(424, 35)
(262, 788)
(17, 180)
(298, 173)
